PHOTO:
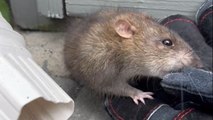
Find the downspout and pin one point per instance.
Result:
(26, 91)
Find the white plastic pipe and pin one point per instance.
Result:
(26, 91)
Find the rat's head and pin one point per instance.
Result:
(152, 47)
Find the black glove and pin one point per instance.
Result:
(191, 84)
(163, 107)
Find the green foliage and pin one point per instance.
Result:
(4, 9)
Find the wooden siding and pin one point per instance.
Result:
(157, 8)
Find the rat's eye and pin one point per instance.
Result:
(167, 42)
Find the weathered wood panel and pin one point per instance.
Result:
(51, 8)
(157, 8)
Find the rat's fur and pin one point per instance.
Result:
(104, 60)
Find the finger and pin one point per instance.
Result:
(136, 101)
(149, 97)
(142, 100)
(149, 93)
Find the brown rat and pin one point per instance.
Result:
(108, 48)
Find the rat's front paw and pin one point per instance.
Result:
(141, 95)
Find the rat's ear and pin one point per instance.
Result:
(124, 29)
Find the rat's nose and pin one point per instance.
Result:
(196, 62)
(191, 59)
(199, 64)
